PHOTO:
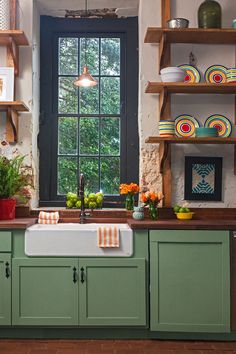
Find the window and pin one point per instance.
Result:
(88, 130)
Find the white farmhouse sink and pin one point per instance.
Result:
(74, 240)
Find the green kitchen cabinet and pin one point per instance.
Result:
(190, 281)
(112, 292)
(45, 291)
(5, 289)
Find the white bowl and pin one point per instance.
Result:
(173, 74)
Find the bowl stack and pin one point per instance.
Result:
(231, 75)
(166, 128)
(173, 74)
(204, 132)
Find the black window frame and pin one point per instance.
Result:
(50, 30)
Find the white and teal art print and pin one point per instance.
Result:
(203, 178)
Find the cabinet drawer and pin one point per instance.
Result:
(5, 241)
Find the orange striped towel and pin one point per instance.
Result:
(108, 236)
(48, 218)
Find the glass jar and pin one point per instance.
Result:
(153, 212)
(129, 201)
(138, 213)
(209, 14)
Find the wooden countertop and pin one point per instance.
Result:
(174, 224)
(19, 223)
(161, 224)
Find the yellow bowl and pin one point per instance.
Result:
(184, 216)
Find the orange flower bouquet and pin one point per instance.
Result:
(129, 190)
(151, 200)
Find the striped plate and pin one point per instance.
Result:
(221, 123)
(193, 75)
(185, 125)
(216, 74)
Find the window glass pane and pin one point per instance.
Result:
(110, 136)
(67, 175)
(67, 135)
(110, 56)
(110, 95)
(90, 168)
(67, 97)
(89, 136)
(68, 56)
(89, 99)
(89, 47)
(110, 175)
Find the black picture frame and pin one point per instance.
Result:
(197, 167)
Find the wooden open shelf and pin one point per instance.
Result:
(191, 35)
(165, 142)
(182, 87)
(17, 106)
(176, 140)
(17, 36)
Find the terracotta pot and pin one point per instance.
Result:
(7, 209)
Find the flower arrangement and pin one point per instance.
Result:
(152, 199)
(129, 190)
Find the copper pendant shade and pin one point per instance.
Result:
(85, 79)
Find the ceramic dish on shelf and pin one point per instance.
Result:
(221, 123)
(216, 74)
(204, 132)
(192, 73)
(185, 126)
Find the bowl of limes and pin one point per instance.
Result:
(91, 201)
(182, 213)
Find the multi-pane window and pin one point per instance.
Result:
(91, 130)
(89, 118)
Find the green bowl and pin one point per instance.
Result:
(206, 132)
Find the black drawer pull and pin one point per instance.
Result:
(82, 275)
(7, 270)
(74, 275)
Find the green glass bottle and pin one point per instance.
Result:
(209, 14)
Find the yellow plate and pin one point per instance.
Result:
(184, 216)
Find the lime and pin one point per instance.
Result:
(92, 197)
(92, 205)
(78, 204)
(182, 210)
(187, 210)
(176, 208)
(69, 204)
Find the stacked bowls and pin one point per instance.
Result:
(166, 128)
(204, 132)
(173, 74)
(231, 75)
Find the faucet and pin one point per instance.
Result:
(81, 194)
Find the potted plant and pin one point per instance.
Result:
(13, 180)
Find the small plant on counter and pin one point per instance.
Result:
(14, 180)
(152, 199)
(91, 201)
(129, 190)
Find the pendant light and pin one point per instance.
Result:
(85, 79)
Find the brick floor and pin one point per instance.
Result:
(115, 347)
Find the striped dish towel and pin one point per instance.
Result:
(48, 218)
(108, 236)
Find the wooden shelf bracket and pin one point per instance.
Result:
(163, 153)
(13, 55)
(11, 126)
(163, 99)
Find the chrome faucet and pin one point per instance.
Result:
(81, 195)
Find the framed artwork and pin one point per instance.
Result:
(203, 178)
(6, 84)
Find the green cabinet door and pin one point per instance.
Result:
(112, 292)
(5, 289)
(190, 281)
(45, 291)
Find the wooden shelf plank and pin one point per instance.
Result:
(191, 35)
(182, 87)
(18, 106)
(18, 37)
(176, 140)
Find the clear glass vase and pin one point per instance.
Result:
(129, 202)
(153, 212)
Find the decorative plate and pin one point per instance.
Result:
(216, 74)
(221, 123)
(185, 126)
(193, 75)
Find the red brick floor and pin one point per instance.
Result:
(114, 347)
